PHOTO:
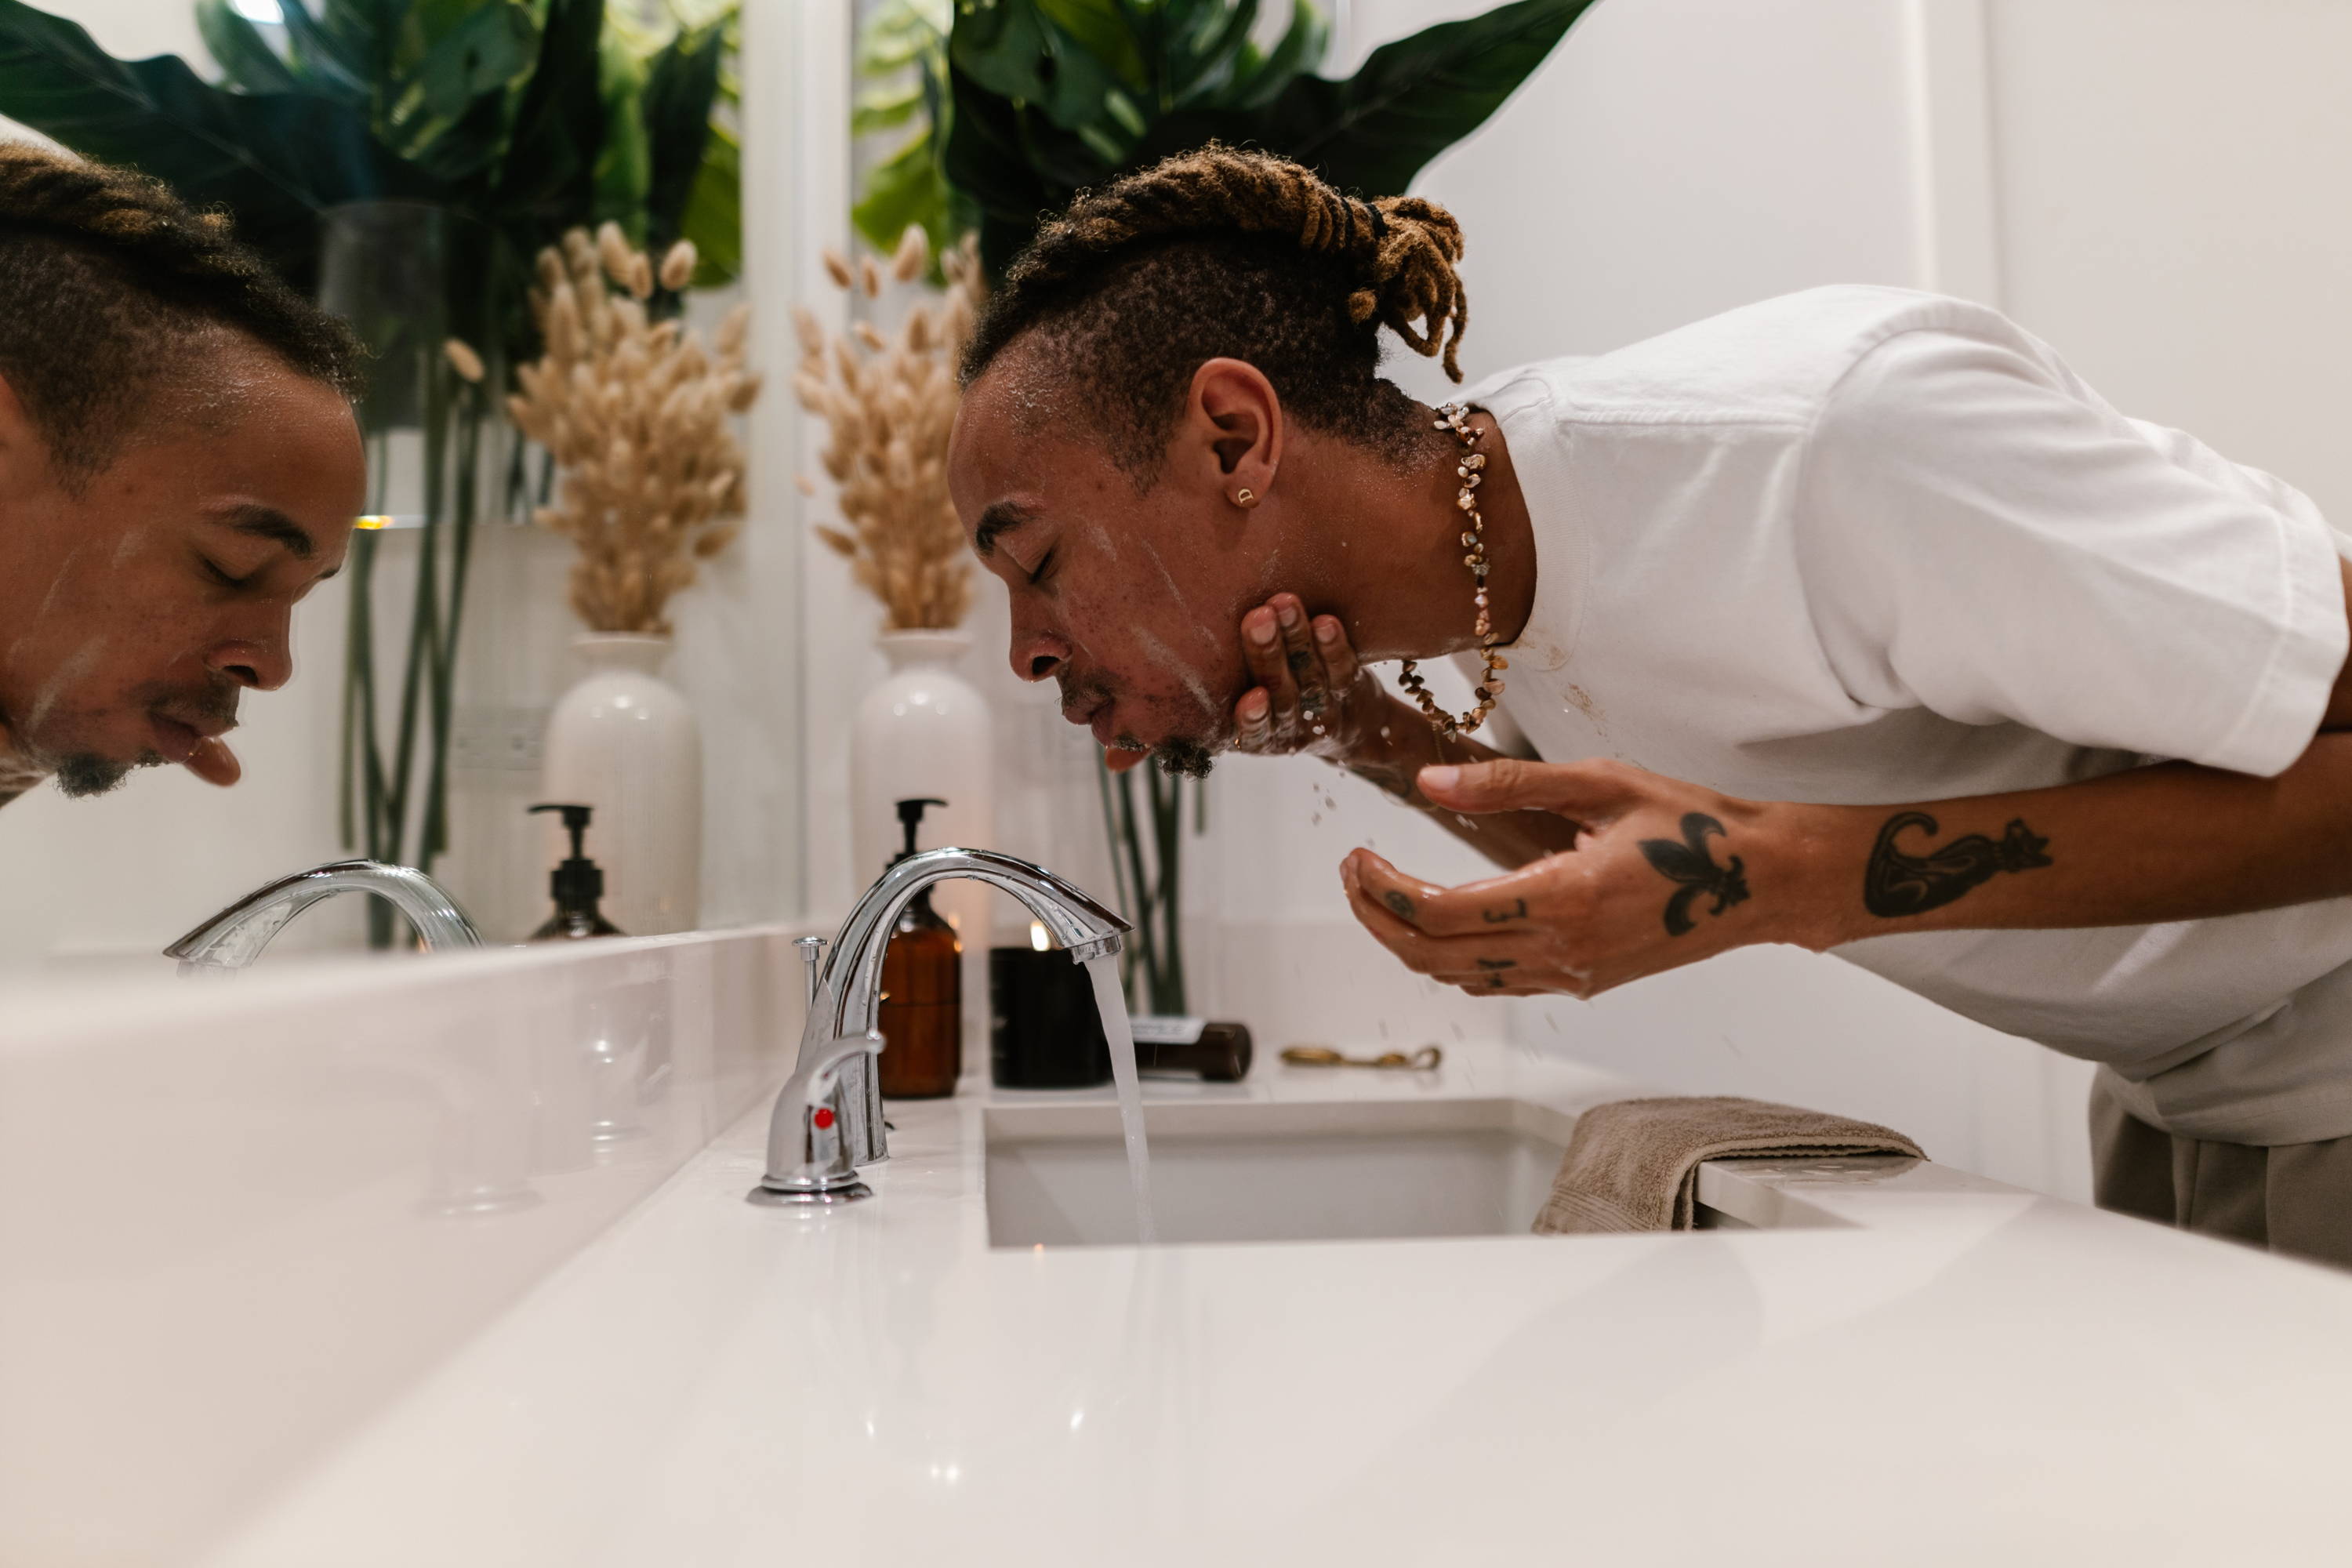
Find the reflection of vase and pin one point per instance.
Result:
(925, 733)
(623, 740)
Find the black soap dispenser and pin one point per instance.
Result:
(921, 1016)
(576, 884)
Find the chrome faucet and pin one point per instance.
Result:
(828, 1118)
(235, 937)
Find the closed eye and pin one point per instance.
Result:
(212, 569)
(1037, 575)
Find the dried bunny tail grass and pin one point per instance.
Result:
(636, 415)
(889, 402)
(677, 267)
(464, 360)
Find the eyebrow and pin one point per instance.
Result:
(267, 523)
(1001, 517)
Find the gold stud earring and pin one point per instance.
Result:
(1245, 497)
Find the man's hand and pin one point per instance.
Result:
(1311, 695)
(1662, 874)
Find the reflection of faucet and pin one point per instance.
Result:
(829, 1119)
(235, 937)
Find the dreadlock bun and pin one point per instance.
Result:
(1404, 249)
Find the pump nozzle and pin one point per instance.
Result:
(578, 882)
(911, 816)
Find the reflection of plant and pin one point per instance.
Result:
(1051, 97)
(902, 55)
(636, 416)
(889, 404)
(527, 116)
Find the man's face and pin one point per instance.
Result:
(1130, 602)
(137, 607)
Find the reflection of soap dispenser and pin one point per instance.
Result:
(921, 1016)
(577, 884)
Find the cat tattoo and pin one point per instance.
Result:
(1690, 863)
(1896, 884)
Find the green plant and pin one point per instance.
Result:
(516, 119)
(1046, 98)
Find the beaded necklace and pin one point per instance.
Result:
(1453, 417)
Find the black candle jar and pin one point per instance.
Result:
(1043, 1030)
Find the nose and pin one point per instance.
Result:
(1036, 655)
(263, 663)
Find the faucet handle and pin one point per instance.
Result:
(812, 963)
(809, 1157)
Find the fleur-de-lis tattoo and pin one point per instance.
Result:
(1896, 884)
(1689, 863)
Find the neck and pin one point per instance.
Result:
(1397, 578)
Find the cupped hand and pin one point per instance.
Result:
(1663, 874)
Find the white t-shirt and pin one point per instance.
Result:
(1869, 546)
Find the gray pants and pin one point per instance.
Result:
(2294, 1198)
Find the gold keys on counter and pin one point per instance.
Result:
(1422, 1060)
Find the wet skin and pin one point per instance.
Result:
(137, 608)
(1152, 607)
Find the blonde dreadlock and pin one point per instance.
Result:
(1222, 251)
(106, 277)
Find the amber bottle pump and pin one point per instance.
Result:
(576, 885)
(921, 1016)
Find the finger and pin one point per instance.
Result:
(1339, 655)
(1253, 718)
(1118, 759)
(1496, 905)
(1588, 792)
(1306, 665)
(1261, 646)
(1481, 964)
(213, 762)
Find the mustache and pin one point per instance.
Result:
(212, 706)
(1081, 693)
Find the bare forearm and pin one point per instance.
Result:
(2166, 843)
(1403, 744)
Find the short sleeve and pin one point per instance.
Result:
(1980, 534)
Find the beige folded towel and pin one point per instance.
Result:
(1632, 1164)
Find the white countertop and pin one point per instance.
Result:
(1964, 1374)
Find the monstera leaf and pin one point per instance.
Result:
(1050, 97)
(273, 158)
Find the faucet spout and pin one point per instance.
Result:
(844, 1007)
(235, 937)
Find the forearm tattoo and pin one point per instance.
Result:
(1894, 884)
(1690, 863)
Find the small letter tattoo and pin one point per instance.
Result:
(1690, 863)
(1517, 912)
(1894, 884)
(1499, 963)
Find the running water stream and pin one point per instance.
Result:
(1111, 1003)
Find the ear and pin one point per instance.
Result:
(1233, 426)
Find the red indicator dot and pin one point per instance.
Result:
(823, 1117)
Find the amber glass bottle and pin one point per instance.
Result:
(922, 1007)
(921, 1016)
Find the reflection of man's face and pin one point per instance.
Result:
(138, 605)
(1131, 603)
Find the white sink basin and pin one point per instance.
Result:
(1056, 1174)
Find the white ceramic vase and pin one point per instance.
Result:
(925, 731)
(625, 740)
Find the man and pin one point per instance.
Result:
(1852, 620)
(178, 468)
